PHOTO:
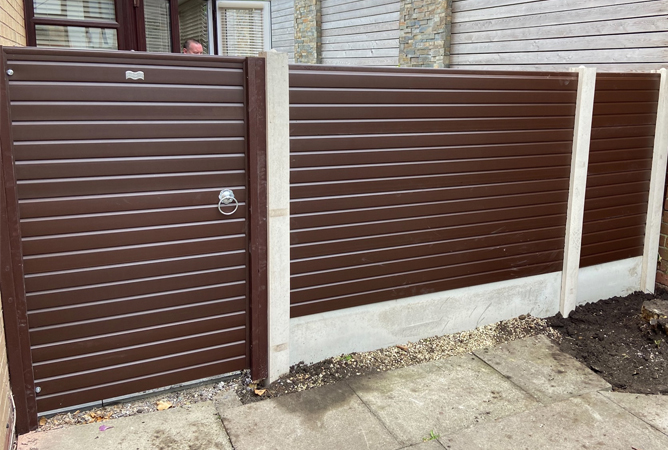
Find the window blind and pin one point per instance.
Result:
(157, 25)
(241, 31)
(193, 22)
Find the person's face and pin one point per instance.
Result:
(194, 49)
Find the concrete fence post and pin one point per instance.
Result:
(278, 214)
(656, 189)
(577, 188)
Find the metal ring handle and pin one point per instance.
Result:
(222, 202)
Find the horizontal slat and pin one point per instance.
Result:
(308, 128)
(141, 336)
(452, 80)
(134, 236)
(323, 255)
(434, 168)
(385, 96)
(324, 143)
(110, 274)
(97, 258)
(44, 131)
(30, 170)
(117, 324)
(152, 285)
(309, 190)
(383, 156)
(637, 55)
(119, 148)
(403, 225)
(140, 368)
(411, 211)
(418, 111)
(54, 111)
(114, 73)
(92, 205)
(132, 221)
(127, 184)
(401, 197)
(138, 353)
(433, 254)
(115, 92)
(422, 288)
(138, 384)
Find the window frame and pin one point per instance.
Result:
(129, 24)
(241, 4)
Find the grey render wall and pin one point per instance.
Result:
(619, 35)
(361, 33)
(283, 27)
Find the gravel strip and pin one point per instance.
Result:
(302, 376)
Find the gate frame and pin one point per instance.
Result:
(12, 281)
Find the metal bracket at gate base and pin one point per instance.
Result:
(226, 197)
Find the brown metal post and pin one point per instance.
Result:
(257, 224)
(12, 286)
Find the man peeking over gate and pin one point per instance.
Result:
(192, 47)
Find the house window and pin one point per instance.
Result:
(75, 23)
(244, 28)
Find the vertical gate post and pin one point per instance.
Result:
(584, 110)
(14, 307)
(656, 189)
(278, 217)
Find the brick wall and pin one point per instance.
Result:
(308, 41)
(12, 25)
(424, 33)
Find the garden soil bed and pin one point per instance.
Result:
(611, 338)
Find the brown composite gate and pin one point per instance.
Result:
(133, 278)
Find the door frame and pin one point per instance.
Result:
(12, 281)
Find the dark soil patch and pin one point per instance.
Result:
(612, 339)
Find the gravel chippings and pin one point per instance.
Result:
(331, 370)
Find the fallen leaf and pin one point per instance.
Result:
(163, 405)
(42, 421)
(104, 427)
(403, 347)
(260, 392)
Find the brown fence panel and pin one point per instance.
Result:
(620, 161)
(134, 280)
(405, 182)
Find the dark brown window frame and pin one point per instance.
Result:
(129, 24)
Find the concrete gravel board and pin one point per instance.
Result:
(440, 396)
(652, 409)
(540, 368)
(590, 421)
(193, 427)
(330, 417)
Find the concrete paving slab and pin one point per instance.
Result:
(653, 409)
(330, 417)
(540, 368)
(429, 445)
(194, 427)
(590, 421)
(440, 396)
